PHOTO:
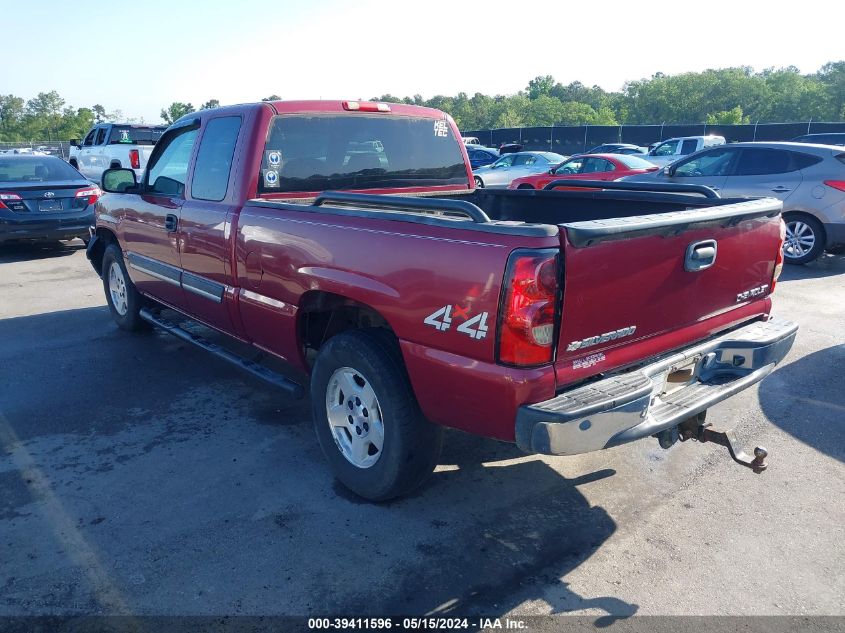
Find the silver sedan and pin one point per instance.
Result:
(499, 175)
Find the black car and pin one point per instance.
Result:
(828, 138)
(480, 156)
(44, 198)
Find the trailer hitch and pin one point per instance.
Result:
(696, 429)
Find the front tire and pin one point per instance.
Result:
(479, 184)
(804, 238)
(367, 420)
(525, 187)
(124, 300)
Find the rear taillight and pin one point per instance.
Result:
(528, 317)
(779, 256)
(836, 184)
(7, 196)
(91, 193)
(134, 159)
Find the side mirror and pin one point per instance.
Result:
(74, 141)
(552, 171)
(669, 170)
(119, 180)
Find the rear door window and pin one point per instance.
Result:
(761, 161)
(101, 136)
(318, 152)
(689, 146)
(802, 161)
(214, 158)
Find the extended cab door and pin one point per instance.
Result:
(151, 226)
(206, 225)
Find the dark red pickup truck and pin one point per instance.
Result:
(566, 321)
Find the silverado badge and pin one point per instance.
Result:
(601, 338)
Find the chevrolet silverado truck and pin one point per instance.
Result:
(346, 239)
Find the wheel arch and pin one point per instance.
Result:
(97, 248)
(809, 213)
(323, 314)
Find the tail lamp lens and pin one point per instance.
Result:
(528, 320)
(91, 193)
(4, 197)
(836, 184)
(779, 256)
(134, 159)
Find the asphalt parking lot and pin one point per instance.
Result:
(139, 475)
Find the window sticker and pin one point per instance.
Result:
(274, 159)
(124, 136)
(271, 178)
(441, 129)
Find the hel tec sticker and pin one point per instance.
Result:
(601, 338)
(271, 178)
(441, 128)
(474, 327)
(274, 158)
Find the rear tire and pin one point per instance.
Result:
(367, 420)
(124, 300)
(804, 238)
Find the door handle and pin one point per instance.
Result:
(700, 255)
(781, 189)
(171, 223)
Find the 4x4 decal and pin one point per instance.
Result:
(474, 327)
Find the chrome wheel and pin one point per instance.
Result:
(354, 417)
(800, 239)
(117, 289)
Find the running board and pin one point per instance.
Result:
(256, 369)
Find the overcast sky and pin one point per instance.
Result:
(140, 57)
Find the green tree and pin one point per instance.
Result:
(540, 86)
(175, 111)
(210, 104)
(272, 98)
(733, 116)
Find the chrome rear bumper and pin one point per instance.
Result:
(628, 406)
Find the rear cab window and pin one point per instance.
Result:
(135, 135)
(319, 152)
(214, 158)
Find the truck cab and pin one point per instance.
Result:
(672, 149)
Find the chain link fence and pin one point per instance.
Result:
(54, 148)
(571, 139)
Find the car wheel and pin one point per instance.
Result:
(124, 300)
(367, 420)
(479, 184)
(804, 238)
(525, 187)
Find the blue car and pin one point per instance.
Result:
(480, 156)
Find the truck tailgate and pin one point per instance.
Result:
(652, 278)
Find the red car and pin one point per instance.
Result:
(588, 167)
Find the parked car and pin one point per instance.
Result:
(822, 138)
(587, 167)
(617, 148)
(480, 156)
(110, 145)
(510, 148)
(438, 305)
(672, 149)
(809, 179)
(510, 166)
(42, 198)
(470, 140)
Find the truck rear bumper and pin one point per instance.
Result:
(628, 406)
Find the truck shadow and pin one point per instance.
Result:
(805, 398)
(139, 475)
(22, 252)
(825, 266)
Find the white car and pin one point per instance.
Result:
(109, 145)
(674, 149)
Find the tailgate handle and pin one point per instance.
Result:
(700, 255)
